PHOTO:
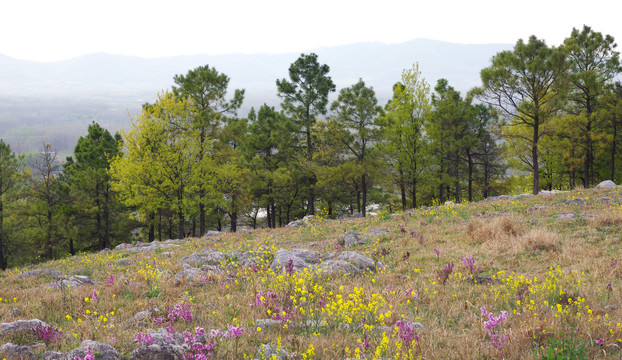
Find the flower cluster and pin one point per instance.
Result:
(48, 334)
(88, 355)
(406, 332)
(493, 321)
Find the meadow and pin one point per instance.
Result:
(526, 277)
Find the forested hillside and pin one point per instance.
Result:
(544, 117)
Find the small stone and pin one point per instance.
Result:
(566, 216)
(611, 307)
(351, 238)
(588, 216)
(16, 312)
(576, 201)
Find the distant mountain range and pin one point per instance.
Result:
(40, 99)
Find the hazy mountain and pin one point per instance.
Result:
(55, 101)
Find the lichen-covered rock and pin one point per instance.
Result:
(305, 221)
(52, 355)
(39, 272)
(103, 351)
(72, 282)
(205, 257)
(268, 351)
(348, 262)
(10, 351)
(607, 184)
(301, 258)
(351, 238)
(569, 216)
(20, 326)
(158, 352)
(378, 232)
(124, 261)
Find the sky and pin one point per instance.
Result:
(52, 30)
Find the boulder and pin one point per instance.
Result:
(124, 262)
(20, 326)
(190, 273)
(300, 258)
(39, 272)
(577, 201)
(72, 282)
(305, 221)
(268, 351)
(10, 351)
(265, 324)
(205, 257)
(607, 184)
(378, 232)
(158, 352)
(351, 238)
(569, 216)
(53, 355)
(349, 262)
(104, 351)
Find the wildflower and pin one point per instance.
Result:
(289, 267)
(599, 341)
(95, 295)
(496, 340)
(110, 280)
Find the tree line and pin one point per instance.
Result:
(544, 115)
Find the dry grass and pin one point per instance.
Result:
(608, 219)
(530, 265)
(499, 229)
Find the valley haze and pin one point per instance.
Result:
(54, 102)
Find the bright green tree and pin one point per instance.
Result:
(305, 96)
(405, 142)
(159, 168)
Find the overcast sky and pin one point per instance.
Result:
(49, 30)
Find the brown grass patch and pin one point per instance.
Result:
(540, 240)
(498, 230)
(608, 219)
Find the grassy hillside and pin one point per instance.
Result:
(551, 261)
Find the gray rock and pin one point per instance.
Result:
(605, 199)
(12, 351)
(211, 233)
(611, 307)
(305, 221)
(16, 312)
(301, 258)
(449, 203)
(577, 201)
(39, 272)
(351, 238)
(124, 262)
(268, 351)
(72, 282)
(158, 352)
(566, 216)
(607, 184)
(20, 326)
(104, 351)
(335, 266)
(52, 355)
(588, 216)
(205, 257)
(265, 324)
(378, 232)
(163, 338)
(190, 273)
(547, 192)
